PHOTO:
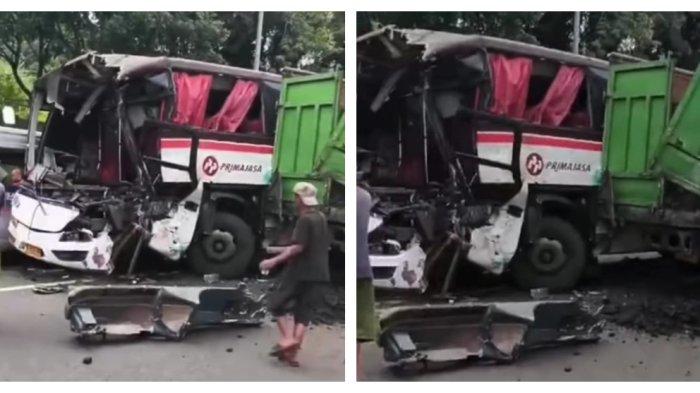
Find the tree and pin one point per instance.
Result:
(30, 42)
(239, 45)
(11, 95)
(678, 35)
(313, 40)
(512, 25)
(195, 35)
(649, 35)
(33, 42)
(626, 32)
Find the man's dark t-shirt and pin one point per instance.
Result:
(311, 232)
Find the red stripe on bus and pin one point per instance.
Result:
(217, 145)
(539, 140)
(174, 143)
(560, 142)
(498, 137)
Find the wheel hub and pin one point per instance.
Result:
(547, 255)
(220, 245)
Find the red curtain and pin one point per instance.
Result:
(511, 80)
(236, 107)
(192, 96)
(556, 104)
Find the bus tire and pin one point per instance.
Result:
(556, 259)
(227, 250)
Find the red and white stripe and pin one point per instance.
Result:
(223, 146)
(224, 155)
(539, 140)
(498, 146)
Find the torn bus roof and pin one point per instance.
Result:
(127, 66)
(121, 311)
(438, 43)
(491, 330)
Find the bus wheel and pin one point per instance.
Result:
(556, 258)
(227, 250)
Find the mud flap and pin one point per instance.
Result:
(497, 331)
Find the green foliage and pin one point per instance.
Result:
(311, 40)
(28, 43)
(512, 25)
(31, 43)
(649, 35)
(677, 34)
(12, 95)
(625, 32)
(196, 35)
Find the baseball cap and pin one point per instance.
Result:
(307, 193)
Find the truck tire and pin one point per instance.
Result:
(556, 258)
(227, 250)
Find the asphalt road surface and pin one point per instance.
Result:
(618, 358)
(652, 312)
(37, 345)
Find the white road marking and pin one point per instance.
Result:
(43, 284)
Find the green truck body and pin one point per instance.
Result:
(652, 158)
(651, 133)
(310, 138)
(679, 153)
(637, 113)
(310, 147)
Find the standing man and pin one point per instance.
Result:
(366, 320)
(306, 271)
(13, 180)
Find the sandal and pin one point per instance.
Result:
(289, 356)
(279, 352)
(276, 351)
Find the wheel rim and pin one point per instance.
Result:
(547, 255)
(220, 245)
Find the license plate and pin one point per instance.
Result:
(33, 251)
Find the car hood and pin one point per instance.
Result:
(45, 216)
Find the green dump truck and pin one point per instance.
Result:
(310, 147)
(650, 196)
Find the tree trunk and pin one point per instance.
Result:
(18, 79)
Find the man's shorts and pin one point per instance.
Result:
(298, 299)
(367, 326)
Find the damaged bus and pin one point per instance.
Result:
(518, 159)
(173, 154)
(478, 148)
(521, 159)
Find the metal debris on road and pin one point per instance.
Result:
(472, 328)
(49, 289)
(164, 311)
(42, 275)
(655, 296)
